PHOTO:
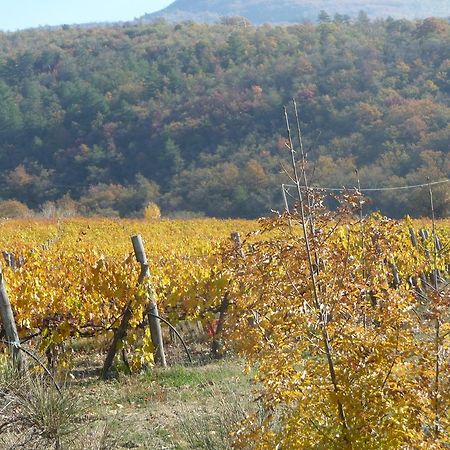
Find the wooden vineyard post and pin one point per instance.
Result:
(236, 238)
(152, 312)
(420, 288)
(119, 335)
(152, 308)
(395, 275)
(217, 344)
(9, 325)
(9, 259)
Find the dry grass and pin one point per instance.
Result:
(34, 415)
(182, 407)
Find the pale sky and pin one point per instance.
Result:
(19, 14)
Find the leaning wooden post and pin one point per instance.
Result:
(216, 347)
(217, 344)
(152, 308)
(119, 336)
(9, 325)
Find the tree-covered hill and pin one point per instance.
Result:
(189, 116)
(288, 11)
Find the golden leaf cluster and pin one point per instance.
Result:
(356, 356)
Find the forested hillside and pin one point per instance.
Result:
(288, 11)
(190, 116)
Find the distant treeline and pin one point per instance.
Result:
(189, 116)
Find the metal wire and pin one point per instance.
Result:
(378, 189)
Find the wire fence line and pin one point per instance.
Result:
(378, 189)
(285, 189)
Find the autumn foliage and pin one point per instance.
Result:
(187, 115)
(354, 354)
(74, 278)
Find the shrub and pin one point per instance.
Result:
(14, 209)
(152, 211)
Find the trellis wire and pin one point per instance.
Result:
(378, 189)
(285, 189)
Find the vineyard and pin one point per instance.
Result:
(345, 326)
(75, 278)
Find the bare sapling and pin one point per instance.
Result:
(313, 252)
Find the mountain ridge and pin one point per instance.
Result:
(292, 11)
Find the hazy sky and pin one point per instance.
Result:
(19, 14)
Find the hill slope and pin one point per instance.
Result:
(285, 11)
(106, 120)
